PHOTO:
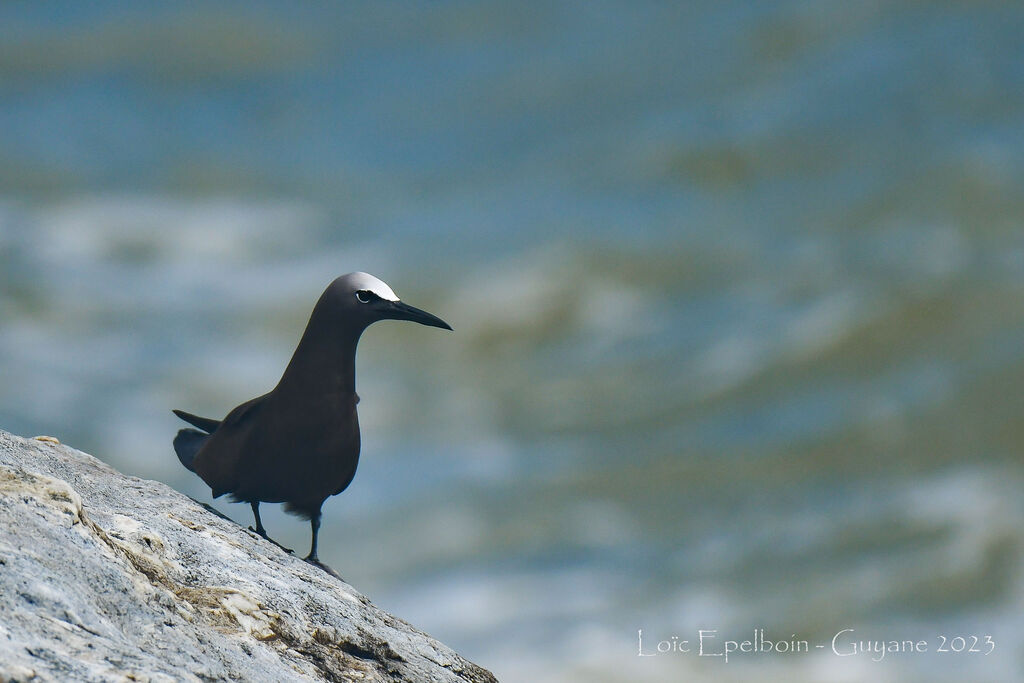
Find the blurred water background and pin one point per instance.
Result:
(737, 289)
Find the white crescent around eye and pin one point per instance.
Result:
(373, 284)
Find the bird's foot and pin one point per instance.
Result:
(262, 533)
(317, 563)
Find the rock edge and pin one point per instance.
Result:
(106, 577)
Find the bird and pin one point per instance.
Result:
(299, 443)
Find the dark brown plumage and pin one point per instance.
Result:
(299, 444)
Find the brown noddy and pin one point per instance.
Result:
(299, 444)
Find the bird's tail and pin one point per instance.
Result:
(187, 443)
(206, 424)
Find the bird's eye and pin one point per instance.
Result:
(364, 296)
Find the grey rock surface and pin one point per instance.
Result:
(106, 577)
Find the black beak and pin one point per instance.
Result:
(398, 310)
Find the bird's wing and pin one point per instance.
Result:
(206, 424)
(220, 461)
(244, 413)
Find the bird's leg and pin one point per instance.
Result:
(314, 523)
(259, 522)
(259, 527)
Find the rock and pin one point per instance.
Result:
(105, 577)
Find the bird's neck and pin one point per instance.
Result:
(324, 361)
